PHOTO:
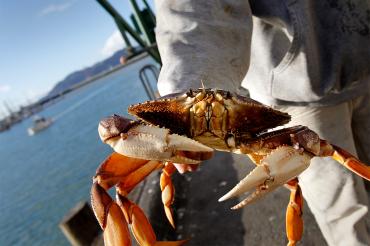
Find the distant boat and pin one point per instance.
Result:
(39, 124)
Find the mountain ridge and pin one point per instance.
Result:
(76, 77)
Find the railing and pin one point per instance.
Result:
(145, 76)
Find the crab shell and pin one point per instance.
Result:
(217, 118)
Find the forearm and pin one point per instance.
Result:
(205, 41)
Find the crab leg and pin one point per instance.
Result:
(346, 159)
(110, 217)
(311, 142)
(114, 168)
(114, 219)
(294, 221)
(168, 191)
(140, 225)
(141, 228)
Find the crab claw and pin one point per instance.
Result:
(280, 166)
(134, 139)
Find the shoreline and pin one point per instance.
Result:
(34, 108)
(106, 73)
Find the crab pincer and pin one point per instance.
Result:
(273, 171)
(139, 150)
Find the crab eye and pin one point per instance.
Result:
(230, 141)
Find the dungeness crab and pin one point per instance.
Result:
(185, 128)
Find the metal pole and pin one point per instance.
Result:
(124, 26)
(126, 40)
(140, 21)
(150, 11)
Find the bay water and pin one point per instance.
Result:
(43, 176)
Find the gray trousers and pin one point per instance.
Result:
(336, 196)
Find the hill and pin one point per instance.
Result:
(77, 77)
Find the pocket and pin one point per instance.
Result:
(296, 40)
(267, 73)
(291, 80)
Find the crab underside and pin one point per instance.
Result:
(186, 128)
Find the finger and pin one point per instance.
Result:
(183, 168)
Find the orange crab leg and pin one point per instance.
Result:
(168, 191)
(294, 221)
(114, 218)
(128, 183)
(115, 168)
(140, 225)
(141, 228)
(345, 158)
(110, 217)
(351, 162)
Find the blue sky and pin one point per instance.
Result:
(43, 41)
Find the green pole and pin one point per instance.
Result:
(140, 21)
(124, 26)
(125, 38)
(127, 42)
(150, 11)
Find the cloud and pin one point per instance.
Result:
(113, 44)
(33, 94)
(4, 88)
(55, 8)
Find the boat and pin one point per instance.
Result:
(39, 124)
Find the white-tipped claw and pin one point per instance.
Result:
(186, 144)
(280, 166)
(154, 143)
(256, 177)
(257, 194)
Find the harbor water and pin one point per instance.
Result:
(42, 177)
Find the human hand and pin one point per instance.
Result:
(183, 168)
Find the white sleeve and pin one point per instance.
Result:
(203, 40)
